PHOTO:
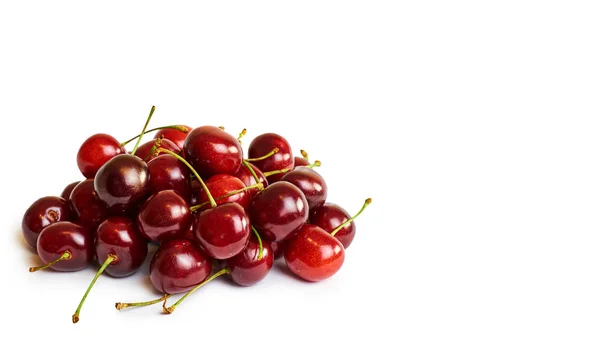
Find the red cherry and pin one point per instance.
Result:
(314, 254)
(41, 214)
(299, 161)
(245, 175)
(329, 217)
(223, 231)
(246, 268)
(122, 183)
(168, 173)
(96, 151)
(278, 248)
(175, 136)
(278, 211)
(220, 185)
(281, 160)
(64, 246)
(143, 152)
(310, 183)
(164, 216)
(212, 151)
(66, 193)
(88, 209)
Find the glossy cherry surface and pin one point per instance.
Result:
(41, 214)
(66, 193)
(300, 161)
(164, 216)
(310, 183)
(329, 217)
(168, 173)
(278, 211)
(314, 254)
(264, 144)
(222, 231)
(143, 152)
(119, 236)
(96, 151)
(211, 151)
(64, 236)
(88, 209)
(175, 136)
(247, 178)
(122, 183)
(178, 266)
(220, 185)
(246, 268)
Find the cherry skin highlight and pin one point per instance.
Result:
(168, 173)
(178, 266)
(310, 183)
(66, 193)
(143, 152)
(329, 217)
(96, 151)
(174, 135)
(65, 236)
(281, 160)
(314, 254)
(220, 185)
(41, 214)
(164, 216)
(278, 211)
(247, 178)
(246, 269)
(222, 231)
(211, 151)
(119, 236)
(88, 209)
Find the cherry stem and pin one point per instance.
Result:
(260, 244)
(304, 154)
(275, 150)
(65, 256)
(242, 134)
(254, 175)
(170, 309)
(197, 207)
(111, 257)
(338, 228)
(143, 130)
(156, 145)
(222, 128)
(121, 306)
(176, 127)
(210, 197)
(270, 173)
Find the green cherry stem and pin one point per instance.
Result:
(210, 197)
(338, 228)
(121, 306)
(260, 244)
(170, 309)
(317, 163)
(156, 145)
(197, 207)
(143, 130)
(176, 127)
(111, 257)
(273, 152)
(65, 256)
(254, 175)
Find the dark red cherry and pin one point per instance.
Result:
(178, 266)
(281, 160)
(175, 136)
(96, 151)
(310, 183)
(212, 151)
(122, 183)
(247, 178)
(329, 217)
(88, 209)
(299, 161)
(164, 216)
(119, 236)
(41, 214)
(168, 173)
(220, 185)
(143, 151)
(66, 193)
(278, 211)
(66, 244)
(278, 248)
(314, 254)
(246, 268)
(222, 231)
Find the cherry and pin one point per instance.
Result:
(223, 231)
(174, 135)
(221, 185)
(278, 248)
(329, 217)
(147, 152)
(279, 210)
(301, 161)
(164, 216)
(212, 151)
(64, 246)
(41, 214)
(314, 254)
(169, 310)
(66, 193)
(250, 175)
(88, 209)
(121, 247)
(96, 151)
(168, 173)
(251, 266)
(310, 183)
(282, 160)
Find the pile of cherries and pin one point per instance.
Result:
(191, 192)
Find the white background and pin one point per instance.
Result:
(473, 125)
